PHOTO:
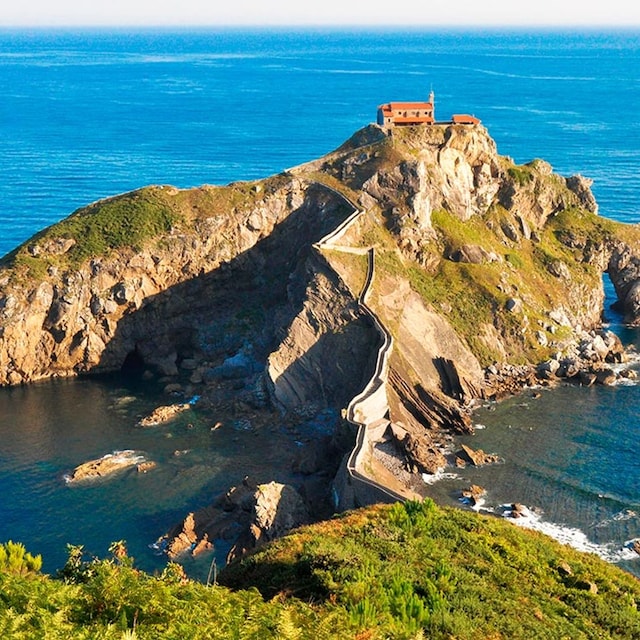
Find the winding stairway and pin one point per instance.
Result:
(369, 410)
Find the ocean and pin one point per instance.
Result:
(86, 114)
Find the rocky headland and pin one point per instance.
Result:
(400, 279)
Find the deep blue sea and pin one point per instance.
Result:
(88, 114)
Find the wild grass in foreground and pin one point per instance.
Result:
(404, 571)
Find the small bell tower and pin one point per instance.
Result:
(432, 100)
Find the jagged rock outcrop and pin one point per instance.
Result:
(65, 311)
(245, 517)
(475, 457)
(473, 494)
(420, 454)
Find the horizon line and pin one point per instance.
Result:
(329, 26)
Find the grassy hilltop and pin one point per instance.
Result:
(409, 570)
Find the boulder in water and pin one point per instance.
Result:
(477, 458)
(473, 494)
(163, 414)
(107, 465)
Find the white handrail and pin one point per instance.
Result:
(378, 379)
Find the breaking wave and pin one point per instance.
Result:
(571, 536)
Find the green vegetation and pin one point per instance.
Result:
(15, 559)
(403, 571)
(131, 220)
(521, 175)
(468, 294)
(413, 568)
(128, 220)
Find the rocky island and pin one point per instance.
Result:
(398, 279)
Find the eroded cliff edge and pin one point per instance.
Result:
(480, 265)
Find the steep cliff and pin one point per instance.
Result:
(479, 265)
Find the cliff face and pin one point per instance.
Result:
(327, 342)
(480, 261)
(176, 294)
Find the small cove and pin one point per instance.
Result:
(66, 422)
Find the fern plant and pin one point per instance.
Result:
(15, 559)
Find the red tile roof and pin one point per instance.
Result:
(400, 106)
(463, 118)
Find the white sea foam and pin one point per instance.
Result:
(570, 536)
(432, 478)
(126, 456)
(477, 505)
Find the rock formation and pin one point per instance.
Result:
(473, 494)
(108, 465)
(246, 516)
(475, 457)
(163, 414)
(479, 264)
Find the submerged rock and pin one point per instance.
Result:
(163, 414)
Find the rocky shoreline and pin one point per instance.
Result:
(236, 517)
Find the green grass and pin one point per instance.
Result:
(474, 294)
(403, 571)
(128, 220)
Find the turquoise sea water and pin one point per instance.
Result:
(87, 114)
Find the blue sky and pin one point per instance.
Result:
(325, 12)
